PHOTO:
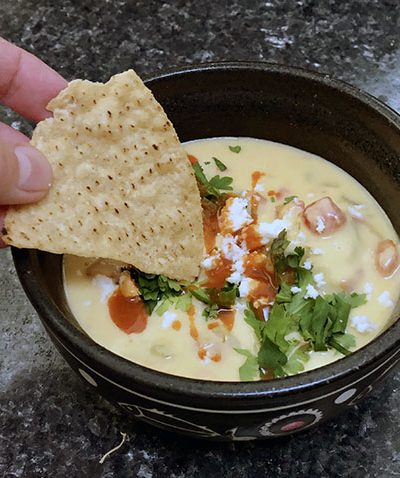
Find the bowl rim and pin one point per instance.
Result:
(55, 322)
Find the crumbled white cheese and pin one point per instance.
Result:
(231, 250)
(244, 287)
(385, 299)
(259, 188)
(271, 230)
(266, 313)
(307, 264)
(106, 285)
(317, 251)
(168, 317)
(301, 236)
(311, 292)
(240, 306)
(238, 214)
(295, 289)
(320, 224)
(362, 324)
(207, 263)
(368, 289)
(235, 277)
(319, 279)
(355, 213)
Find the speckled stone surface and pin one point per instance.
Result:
(52, 424)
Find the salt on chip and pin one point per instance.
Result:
(123, 187)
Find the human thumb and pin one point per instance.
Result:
(25, 174)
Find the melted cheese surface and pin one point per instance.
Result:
(346, 258)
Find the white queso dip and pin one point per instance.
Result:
(300, 269)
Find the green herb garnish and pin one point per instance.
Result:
(156, 288)
(289, 199)
(207, 162)
(211, 312)
(235, 149)
(315, 323)
(272, 199)
(213, 187)
(249, 371)
(220, 165)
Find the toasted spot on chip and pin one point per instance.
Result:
(106, 202)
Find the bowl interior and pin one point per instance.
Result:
(294, 107)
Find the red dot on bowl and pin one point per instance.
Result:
(293, 425)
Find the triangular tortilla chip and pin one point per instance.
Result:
(123, 186)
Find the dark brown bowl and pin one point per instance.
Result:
(302, 109)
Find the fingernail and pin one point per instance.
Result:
(35, 172)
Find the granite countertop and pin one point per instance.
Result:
(52, 424)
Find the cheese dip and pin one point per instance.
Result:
(300, 268)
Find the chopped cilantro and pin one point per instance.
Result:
(281, 261)
(179, 302)
(155, 288)
(249, 370)
(211, 312)
(202, 295)
(212, 188)
(207, 162)
(272, 199)
(235, 149)
(289, 199)
(319, 323)
(224, 297)
(220, 165)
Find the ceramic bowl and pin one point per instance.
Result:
(302, 109)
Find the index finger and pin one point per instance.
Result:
(26, 83)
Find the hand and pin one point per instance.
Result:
(26, 86)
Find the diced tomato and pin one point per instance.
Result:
(386, 257)
(323, 217)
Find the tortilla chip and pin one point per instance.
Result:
(123, 186)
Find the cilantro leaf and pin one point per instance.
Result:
(211, 189)
(269, 356)
(342, 342)
(211, 312)
(235, 149)
(288, 199)
(297, 357)
(202, 295)
(223, 183)
(154, 288)
(220, 165)
(249, 370)
(256, 324)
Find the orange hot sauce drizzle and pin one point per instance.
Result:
(227, 317)
(192, 159)
(130, 315)
(218, 274)
(194, 333)
(210, 224)
(176, 325)
(255, 177)
(259, 267)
